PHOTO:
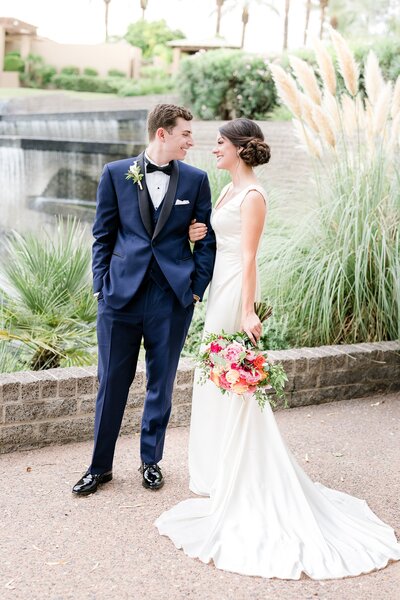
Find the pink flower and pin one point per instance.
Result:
(215, 347)
(250, 355)
(244, 373)
(233, 351)
(256, 378)
(224, 383)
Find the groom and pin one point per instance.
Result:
(146, 280)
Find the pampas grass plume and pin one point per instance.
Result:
(287, 89)
(381, 109)
(350, 122)
(307, 139)
(348, 66)
(307, 112)
(325, 65)
(395, 109)
(330, 104)
(306, 77)
(374, 81)
(394, 134)
(324, 126)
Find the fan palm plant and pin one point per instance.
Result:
(47, 301)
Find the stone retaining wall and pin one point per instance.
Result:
(57, 406)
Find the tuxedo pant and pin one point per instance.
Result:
(156, 316)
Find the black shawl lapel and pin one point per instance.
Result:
(169, 199)
(144, 198)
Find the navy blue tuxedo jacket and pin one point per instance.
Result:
(126, 241)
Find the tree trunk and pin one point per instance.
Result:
(107, 2)
(219, 10)
(245, 20)
(286, 25)
(143, 6)
(308, 10)
(323, 6)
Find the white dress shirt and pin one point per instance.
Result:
(157, 183)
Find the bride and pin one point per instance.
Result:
(260, 514)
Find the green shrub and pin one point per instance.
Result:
(150, 72)
(70, 70)
(9, 362)
(47, 306)
(90, 72)
(112, 85)
(85, 83)
(387, 52)
(115, 73)
(144, 87)
(224, 84)
(37, 73)
(13, 62)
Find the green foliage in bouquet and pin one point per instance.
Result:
(235, 365)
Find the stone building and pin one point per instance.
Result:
(21, 36)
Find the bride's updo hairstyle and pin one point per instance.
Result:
(247, 136)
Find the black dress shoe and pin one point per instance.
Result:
(152, 476)
(89, 483)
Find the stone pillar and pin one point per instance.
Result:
(25, 45)
(136, 62)
(176, 60)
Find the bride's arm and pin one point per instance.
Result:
(253, 211)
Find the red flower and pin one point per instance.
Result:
(215, 347)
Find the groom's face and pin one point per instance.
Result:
(178, 140)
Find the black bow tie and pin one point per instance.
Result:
(151, 167)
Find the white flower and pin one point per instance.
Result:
(135, 174)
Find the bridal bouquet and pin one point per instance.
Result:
(235, 365)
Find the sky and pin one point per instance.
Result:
(82, 21)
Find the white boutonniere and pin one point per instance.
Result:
(135, 174)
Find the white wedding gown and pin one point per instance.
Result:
(264, 516)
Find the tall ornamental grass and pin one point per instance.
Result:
(337, 277)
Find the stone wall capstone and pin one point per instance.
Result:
(56, 406)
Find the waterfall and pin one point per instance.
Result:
(70, 129)
(50, 163)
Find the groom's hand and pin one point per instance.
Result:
(197, 231)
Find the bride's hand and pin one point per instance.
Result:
(251, 325)
(197, 231)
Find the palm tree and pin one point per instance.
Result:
(246, 13)
(106, 2)
(323, 5)
(46, 301)
(286, 24)
(245, 20)
(220, 4)
(143, 6)
(307, 20)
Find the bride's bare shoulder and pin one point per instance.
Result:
(255, 196)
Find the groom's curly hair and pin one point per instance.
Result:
(165, 115)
